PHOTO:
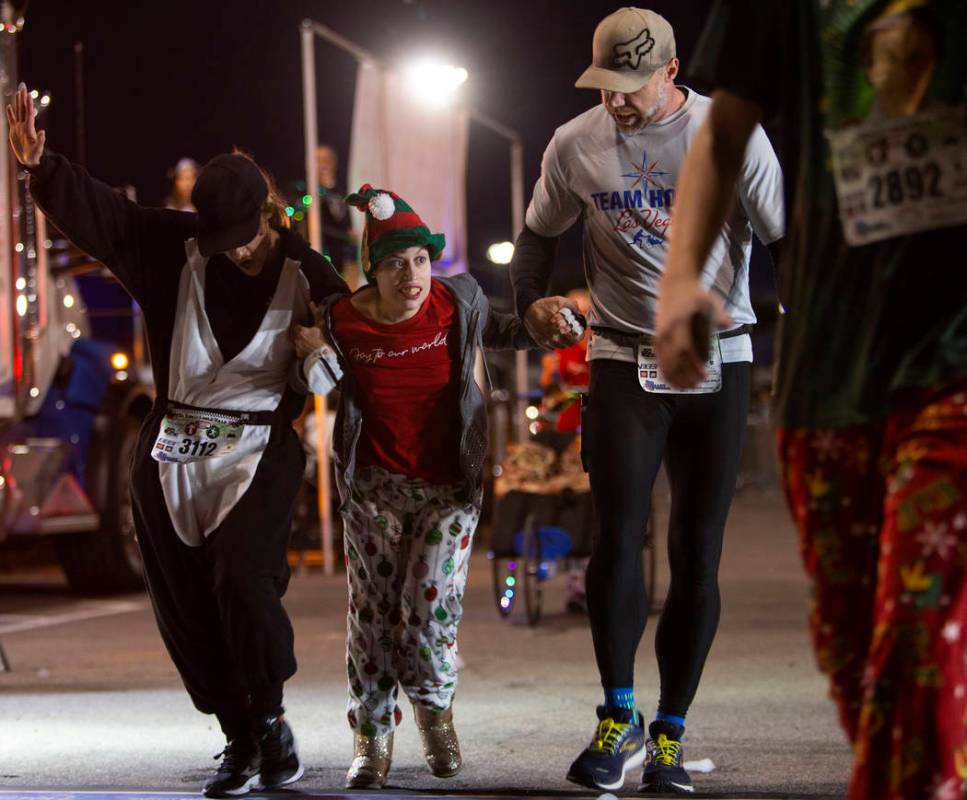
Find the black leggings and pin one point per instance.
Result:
(219, 606)
(626, 432)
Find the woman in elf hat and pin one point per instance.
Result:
(409, 444)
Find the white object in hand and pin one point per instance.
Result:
(576, 326)
(322, 370)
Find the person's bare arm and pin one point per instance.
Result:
(704, 195)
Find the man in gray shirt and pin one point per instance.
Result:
(617, 165)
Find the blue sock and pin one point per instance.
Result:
(621, 698)
(661, 716)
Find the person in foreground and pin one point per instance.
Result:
(409, 444)
(871, 388)
(217, 464)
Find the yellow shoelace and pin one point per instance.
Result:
(609, 735)
(667, 751)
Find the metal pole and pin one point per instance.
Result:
(322, 482)
(517, 222)
(360, 53)
(309, 112)
(517, 186)
(315, 239)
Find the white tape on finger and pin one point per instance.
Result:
(575, 323)
(322, 371)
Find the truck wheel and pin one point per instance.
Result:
(107, 561)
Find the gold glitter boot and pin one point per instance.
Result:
(371, 761)
(440, 746)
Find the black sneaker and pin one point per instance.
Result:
(664, 771)
(280, 761)
(617, 747)
(239, 771)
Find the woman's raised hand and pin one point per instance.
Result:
(27, 142)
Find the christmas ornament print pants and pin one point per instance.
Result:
(882, 517)
(407, 554)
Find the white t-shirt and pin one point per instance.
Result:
(625, 185)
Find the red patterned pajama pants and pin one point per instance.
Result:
(882, 517)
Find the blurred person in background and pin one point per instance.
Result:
(564, 378)
(338, 241)
(181, 180)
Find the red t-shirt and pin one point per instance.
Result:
(407, 376)
(574, 374)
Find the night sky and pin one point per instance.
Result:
(164, 80)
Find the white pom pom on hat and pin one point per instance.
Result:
(381, 206)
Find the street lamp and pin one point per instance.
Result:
(500, 252)
(433, 83)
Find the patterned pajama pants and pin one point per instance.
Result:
(407, 555)
(882, 516)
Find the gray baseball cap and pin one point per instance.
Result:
(629, 45)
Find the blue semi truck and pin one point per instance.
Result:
(74, 385)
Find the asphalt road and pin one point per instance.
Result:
(92, 704)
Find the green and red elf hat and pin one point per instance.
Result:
(391, 226)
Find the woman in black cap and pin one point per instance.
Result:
(217, 464)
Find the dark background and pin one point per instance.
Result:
(163, 80)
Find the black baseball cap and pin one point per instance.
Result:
(228, 194)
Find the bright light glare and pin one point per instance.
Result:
(500, 252)
(68, 301)
(21, 305)
(532, 412)
(119, 361)
(435, 83)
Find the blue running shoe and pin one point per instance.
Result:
(618, 746)
(664, 773)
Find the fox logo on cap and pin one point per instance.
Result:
(631, 52)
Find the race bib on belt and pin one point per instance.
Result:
(652, 380)
(900, 176)
(187, 436)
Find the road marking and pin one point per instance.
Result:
(83, 794)
(15, 623)
(70, 794)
